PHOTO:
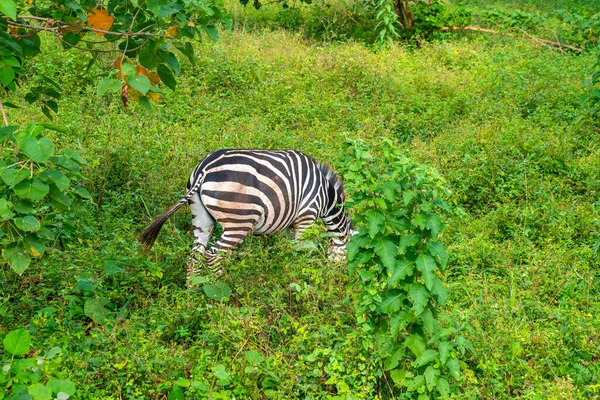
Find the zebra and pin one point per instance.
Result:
(258, 192)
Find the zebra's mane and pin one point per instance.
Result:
(331, 176)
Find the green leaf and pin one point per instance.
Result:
(82, 192)
(7, 74)
(173, 63)
(181, 382)
(254, 357)
(431, 377)
(426, 264)
(32, 189)
(163, 8)
(62, 385)
(392, 301)
(408, 241)
(141, 83)
(212, 32)
(59, 179)
(24, 207)
(175, 394)
(109, 84)
(94, 308)
(416, 344)
(17, 342)
(218, 291)
(166, 76)
(146, 103)
(398, 322)
(419, 296)
(188, 51)
(399, 376)
(127, 69)
(7, 131)
(40, 391)
(39, 150)
(439, 291)
(28, 223)
(375, 222)
(33, 245)
(434, 223)
(438, 251)
(17, 256)
(9, 8)
(454, 367)
(387, 251)
(402, 270)
(392, 361)
(5, 210)
(153, 53)
(12, 176)
(427, 357)
(445, 348)
(443, 387)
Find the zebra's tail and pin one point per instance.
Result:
(148, 237)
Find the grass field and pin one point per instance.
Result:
(500, 118)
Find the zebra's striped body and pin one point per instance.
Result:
(259, 192)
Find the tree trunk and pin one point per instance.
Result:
(403, 12)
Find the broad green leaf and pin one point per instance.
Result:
(426, 264)
(163, 8)
(392, 361)
(5, 210)
(387, 251)
(33, 245)
(212, 32)
(402, 269)
(416, 344)
(127, 69)
(434, 223)
(17, 256)
(59, 179)
(153, 53)
(109, 84)
(254, 357)
(408, 241)
(12, 176)
(218, 291)
(355, 244)
(427, 357)
(188, 51)
(182, 382)
(438, 251)
(94, 308)
(431, 377)
(439, 291)
(73, 155)
(419, 296)
(24, 207)
(454, 367)
(28, 223)
(59, 199)
(445, 348)
(32, 189)
(398, 322)
(40, 391)
(62, 385)
(173, 63)
(166, 76)
(31, 130)
(9, 8)
(175, 394)
(443, 387)
(7, 131)
(143, 100)
(82, 192)
(141, 83)
(111, 268)
(17, 342)
(392, 301)
(375, 222)
(399, 376)
(7, 74)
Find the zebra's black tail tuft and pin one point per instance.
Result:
(148, 237)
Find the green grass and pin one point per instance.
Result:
(501, 119)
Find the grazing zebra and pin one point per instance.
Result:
(259, 192)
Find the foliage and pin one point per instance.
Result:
(142, 36)
(32, 378)
(41, 195)
(397, 205)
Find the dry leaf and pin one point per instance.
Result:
(99, 19)
(14, 31)
(171, 33)
(125, 95)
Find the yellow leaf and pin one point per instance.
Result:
(172, 32)
(99, 19)
(34, 252)
(191, 24)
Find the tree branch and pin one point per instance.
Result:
(544, 42)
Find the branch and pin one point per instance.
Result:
(525, 35)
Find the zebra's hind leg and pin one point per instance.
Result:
(230, 239)
(203, 224)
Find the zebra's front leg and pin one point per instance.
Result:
(203, 224)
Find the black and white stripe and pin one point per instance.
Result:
(259, 192)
